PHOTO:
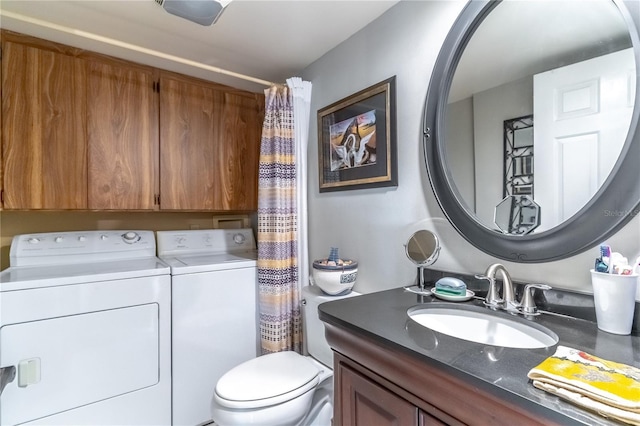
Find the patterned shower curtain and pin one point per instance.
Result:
(278, 269)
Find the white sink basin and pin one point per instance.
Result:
(477, 324)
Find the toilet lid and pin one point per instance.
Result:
(267, 380)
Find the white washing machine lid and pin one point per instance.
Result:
(211, 262)
(26, 277)
(267, 380)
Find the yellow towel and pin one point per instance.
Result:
(609, 388)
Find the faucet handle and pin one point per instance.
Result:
(528, 305)
(492, 299)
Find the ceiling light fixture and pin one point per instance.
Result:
(203, 12)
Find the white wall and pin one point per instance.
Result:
(372, 225)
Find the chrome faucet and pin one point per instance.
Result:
(508, 300)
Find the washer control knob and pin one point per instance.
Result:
(82, 238)
(58, 239)
(239, 238)
(103, 237)
(130, 237)
(33, 240)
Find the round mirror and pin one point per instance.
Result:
(537, 99)
(423, 248)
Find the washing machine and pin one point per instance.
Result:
(214, 312)
(85, 330)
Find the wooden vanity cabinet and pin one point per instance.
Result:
(122, 136)
(375, 384)
(209, 145)
(364, 402)
(43, 128)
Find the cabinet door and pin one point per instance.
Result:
(366, 403)
(236, 162)
(188, 144)
(122, 124)
(1, 165)
(43, 129)
(425, 419)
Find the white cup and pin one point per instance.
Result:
(615, 300)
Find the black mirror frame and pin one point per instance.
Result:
(613, 206)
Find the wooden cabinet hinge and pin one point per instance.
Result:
(156, 199)
(2, 196)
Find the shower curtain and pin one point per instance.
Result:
(282, 215)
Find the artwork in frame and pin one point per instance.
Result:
(357, 140)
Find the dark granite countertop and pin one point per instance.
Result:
(382, 316)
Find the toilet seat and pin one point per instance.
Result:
(267, 380)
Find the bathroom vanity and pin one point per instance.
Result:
(391, 370)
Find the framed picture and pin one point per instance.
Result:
(357, 140)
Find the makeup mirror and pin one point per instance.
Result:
(423, 249)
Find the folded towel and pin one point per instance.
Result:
(609, 388)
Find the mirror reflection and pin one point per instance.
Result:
(517, 215)
(540, 106)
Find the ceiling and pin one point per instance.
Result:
(267, 40)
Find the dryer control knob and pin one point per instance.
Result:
(130, 237)
(33, 240)
(239, 238)
(58, 239)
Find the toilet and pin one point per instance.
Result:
(283, 388)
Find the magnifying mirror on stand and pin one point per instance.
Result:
(423, 249)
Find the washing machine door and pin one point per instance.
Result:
(74, 361)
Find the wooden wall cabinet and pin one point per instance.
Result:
(122, 137)
(83, 131)
(43, 128)
(209, 145)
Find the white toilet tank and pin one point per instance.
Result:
(317, 345)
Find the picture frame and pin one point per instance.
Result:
(357, 140)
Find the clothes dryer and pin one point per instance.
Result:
(85, 330)
(214, 312)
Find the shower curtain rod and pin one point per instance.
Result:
(130, 46)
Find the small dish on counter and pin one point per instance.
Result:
(452, 298)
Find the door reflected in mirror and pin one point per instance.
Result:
(570, 67)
